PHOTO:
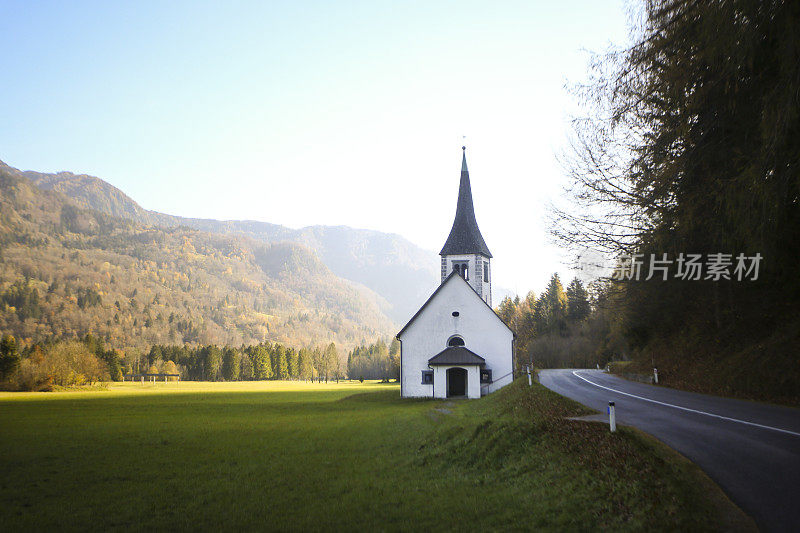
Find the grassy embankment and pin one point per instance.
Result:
(272, 455)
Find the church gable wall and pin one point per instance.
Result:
(483, 333)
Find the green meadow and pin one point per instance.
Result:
(300, 456)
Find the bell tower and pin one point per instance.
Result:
(465, 251)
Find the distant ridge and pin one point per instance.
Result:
(67, 271)
(402, 273)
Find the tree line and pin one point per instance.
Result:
(85, 361)
(257, 362)
(559, 328)
(64, 363)
(376, 361)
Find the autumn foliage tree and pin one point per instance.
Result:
(556, 329)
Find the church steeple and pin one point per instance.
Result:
(465, 251)
(465, 236)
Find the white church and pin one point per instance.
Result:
(456, 346)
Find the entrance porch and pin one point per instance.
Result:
(456, 373)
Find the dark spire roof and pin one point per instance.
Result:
(465, 237)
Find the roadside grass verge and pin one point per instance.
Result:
(619, 367)
(577, 475)
(294, 456)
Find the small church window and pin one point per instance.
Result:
(455, 340)
(486, 271)
(427, 377)
(455, 313)
(486, 376)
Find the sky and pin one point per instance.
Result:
(302, 113)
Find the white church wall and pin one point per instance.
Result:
(439, 381)
(473, 382)
(483, 333)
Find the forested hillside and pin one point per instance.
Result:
(691, 148)
(66, 271)
(402, 273)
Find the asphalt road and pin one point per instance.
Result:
(752, 450)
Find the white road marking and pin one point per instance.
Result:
(575, 373)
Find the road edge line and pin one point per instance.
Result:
(575, 373)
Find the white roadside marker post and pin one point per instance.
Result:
(655, 375)
(529, 376)
(612, 417)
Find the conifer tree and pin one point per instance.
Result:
(9, 356)
(506, 310)
(551, 306)
(246, 368)
(262, 363)
(279, 362)
(293, 363)
(305, 364)
(331, 361)
(578, 306)
(231, 364)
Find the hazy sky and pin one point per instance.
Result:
(302, 113)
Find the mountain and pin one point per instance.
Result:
(136, 278)
(403, 274)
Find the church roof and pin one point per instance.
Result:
(452, 275)
(465, 237)
(456, 355)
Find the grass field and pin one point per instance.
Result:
(290, 456)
